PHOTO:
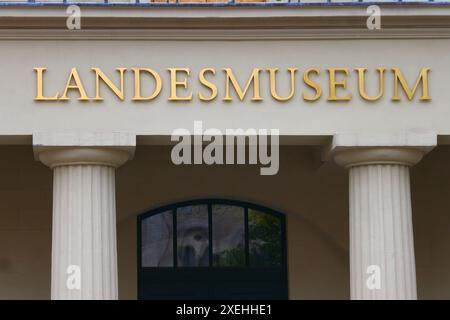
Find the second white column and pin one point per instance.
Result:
(382, 263)
(381, 237)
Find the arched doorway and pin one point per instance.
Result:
(212, 249)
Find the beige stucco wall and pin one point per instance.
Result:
(313, 195)
(25, 225)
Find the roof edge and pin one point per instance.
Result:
(225, 17)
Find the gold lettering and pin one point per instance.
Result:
(174, 83)
(273, 84)
(254, 78)
(423, 77)
(78, 86)
(100, 75)
(209, 90)
(334, 84)
(137, 84)
(312, 84)
(40, 86)
(362, 85)
(211, 86)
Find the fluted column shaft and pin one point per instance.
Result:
(382, 264)
(84, 233)
(84, 248)
(381, 233)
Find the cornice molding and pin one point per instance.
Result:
(223, 34)
(408, 16)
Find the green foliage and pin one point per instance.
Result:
(265, 239)
(232, 257)
(265, 243)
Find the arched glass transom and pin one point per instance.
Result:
(212, 233)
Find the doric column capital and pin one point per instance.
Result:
(349, 150)
(62, 149)
(356, 156)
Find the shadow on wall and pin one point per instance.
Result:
(25, 225)
(430, 189)
(317, 230)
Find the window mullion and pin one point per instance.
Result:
(175, 239)
(246, 237)
(210, 235)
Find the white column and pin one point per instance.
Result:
(382, 264)
(84, 248)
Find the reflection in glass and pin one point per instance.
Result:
(228, 235)
(264, 239)
(193, 236)
(157, 240)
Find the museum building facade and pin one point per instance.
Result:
(93, 205)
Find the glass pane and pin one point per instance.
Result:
(157, 240)
(228, 235)
(193, 236)
(264, 239)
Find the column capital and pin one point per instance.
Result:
(349, 150)
(62, 149)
